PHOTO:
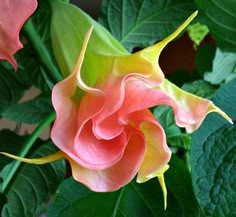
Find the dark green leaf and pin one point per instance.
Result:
(224, 68)
(31, 112)
(181, 76)
(178, 181)
(200, 88)
(33, 186)
(30, 72)
(11, 143)
(134, 200)
(220, 18)
(204, 58)
(164, 115)
(139, 23)
(180, 140)
(213, 158)
(175, 137)
(10, 89)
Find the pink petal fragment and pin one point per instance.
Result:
(116, 176)
(13, 14)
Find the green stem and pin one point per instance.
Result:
(118, 202)
(28, 144)
(42, 52)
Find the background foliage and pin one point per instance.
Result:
(201, 180)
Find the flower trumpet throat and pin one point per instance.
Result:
(105, 129)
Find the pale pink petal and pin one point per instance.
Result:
(116, 176)
(13, 14)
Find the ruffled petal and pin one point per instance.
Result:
(116, 176)
(66, 98)
(13, 15)
(190, 110)
(96, 153)
(157, 152)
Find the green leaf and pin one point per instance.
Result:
(134, 200)
(164, 115)
(181, 76)
(224, 68)
(197, 33)
(213, 157)
(10, 89)
(140, 23)
(31, 112)
(220, 18)
(29, 72)
(204, 58)
(11, 143)
(175, 137)
(32, 186)
(200, 88)
(178, 181)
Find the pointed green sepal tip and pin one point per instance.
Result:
(50, 158)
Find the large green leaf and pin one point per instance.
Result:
(31, 112)
(139, 23)
(220, 18)
(133, 200)
(213, 157)
(32, 186)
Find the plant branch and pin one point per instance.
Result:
(42, 52)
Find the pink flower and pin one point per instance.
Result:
(106, 130)
(13, 14)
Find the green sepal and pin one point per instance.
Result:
(69, 25)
